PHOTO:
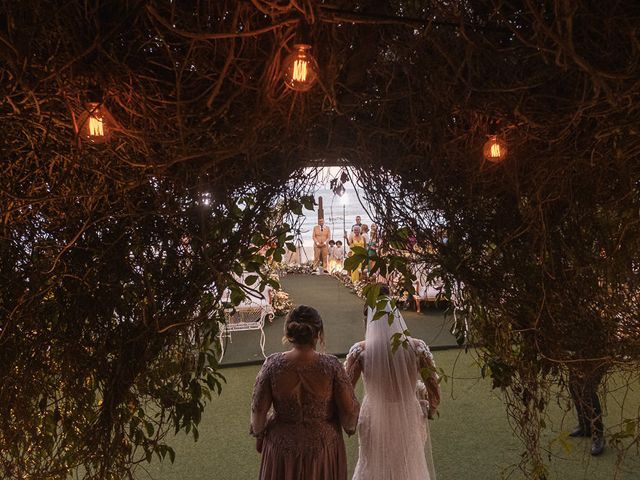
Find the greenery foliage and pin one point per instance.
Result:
(113, 257)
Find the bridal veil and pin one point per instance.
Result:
(393, 430)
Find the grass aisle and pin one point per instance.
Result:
(341, 312)
(471, 438)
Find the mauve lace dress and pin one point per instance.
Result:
(312, 402)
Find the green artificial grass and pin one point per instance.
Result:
(341, 311)
(471, 437)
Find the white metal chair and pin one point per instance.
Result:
(249, 315)
(427, 290)
(429, 293)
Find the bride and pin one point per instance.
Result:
(393, 430)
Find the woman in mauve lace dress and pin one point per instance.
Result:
(312, 400)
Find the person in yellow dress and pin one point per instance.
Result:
(356, 240)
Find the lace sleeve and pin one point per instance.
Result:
(427, 367)
(261, 400)
(345, 398)
(423, 398)
(353, 363)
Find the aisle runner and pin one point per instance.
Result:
(341, 312)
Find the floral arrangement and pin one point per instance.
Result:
(273, 274)
(401, 296)
(358, 287)
(281, 303)
(294, 268)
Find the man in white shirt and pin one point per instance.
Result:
(358, 222)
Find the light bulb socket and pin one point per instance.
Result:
(493, 127)
(94, 94)
(303, 33)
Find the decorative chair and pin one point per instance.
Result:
(428, 290)
(249, 315)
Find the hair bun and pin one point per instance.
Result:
(301, 333)
(303, 325)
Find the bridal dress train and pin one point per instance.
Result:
(393, 432)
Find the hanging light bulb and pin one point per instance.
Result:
(495, 150)
(95, 123)
(300, 68)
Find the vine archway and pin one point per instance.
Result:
(107, 252)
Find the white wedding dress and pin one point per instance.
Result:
(394, 441)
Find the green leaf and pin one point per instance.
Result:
(161, 451)
(403, 233)
(382, 303)
(201, 360)
(237, 296)
(351, 263)
(251, 279)
(295, 207)
(257, 239)
(237, 269)
(629, 426)
(308, 201)
(425, 373)
(206, 393)
(372, 291)
(376, 265)
(396, 342)
(149, 428)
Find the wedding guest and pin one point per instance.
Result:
(350, 235)
(331, 260)
(332, 246)
(312, 399)
(364, 229)
(584, 381)
(357, 240)
(321, 236)
(372, 245)
(338, 256)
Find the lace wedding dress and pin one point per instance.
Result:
(393, 433)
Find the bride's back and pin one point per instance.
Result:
(391, 427)
(394, 374)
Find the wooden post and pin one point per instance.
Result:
(320, 209)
